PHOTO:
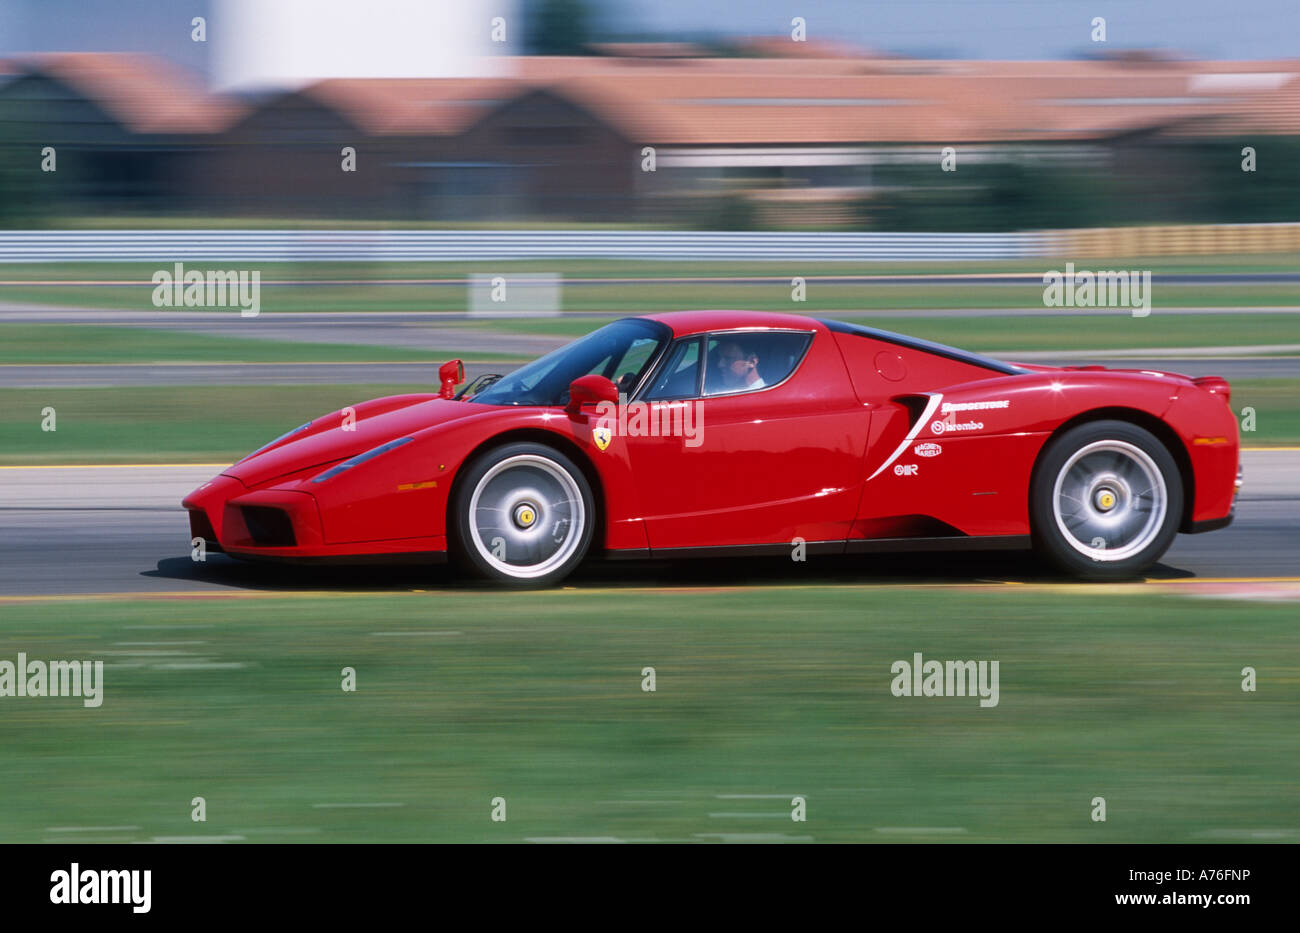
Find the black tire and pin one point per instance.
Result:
(1106, 500)
(513, 515)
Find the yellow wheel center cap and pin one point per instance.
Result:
(1106, 499)
(525, 516)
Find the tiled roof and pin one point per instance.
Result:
(746, 101)
(144, 94)
(415, 106)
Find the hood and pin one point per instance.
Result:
(330, 439)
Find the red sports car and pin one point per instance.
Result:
(729, 432)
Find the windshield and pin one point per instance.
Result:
(621, 352)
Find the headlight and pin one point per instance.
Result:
(361, 458)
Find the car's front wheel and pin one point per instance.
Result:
(523, 515)
(1106, 500)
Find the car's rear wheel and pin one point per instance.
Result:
(1106, 500)
(523, 515)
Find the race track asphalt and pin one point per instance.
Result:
(120, 529)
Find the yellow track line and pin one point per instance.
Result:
(604, 590)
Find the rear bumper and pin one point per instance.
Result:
(1210, 524)
(1214, 524)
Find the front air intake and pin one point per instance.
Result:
(268, 527)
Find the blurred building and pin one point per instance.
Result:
(738, 142)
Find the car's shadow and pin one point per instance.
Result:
(929, 568)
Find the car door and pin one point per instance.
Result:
(773, 457)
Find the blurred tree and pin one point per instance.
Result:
(19, 186)
(558, 27)
(990, 196)
(1270, 194)
(725, 212)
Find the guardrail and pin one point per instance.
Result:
(480, 245)
(164, 246)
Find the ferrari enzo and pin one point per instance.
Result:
(724, 432)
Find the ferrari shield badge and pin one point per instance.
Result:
(602, 435)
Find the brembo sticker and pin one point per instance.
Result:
(939, 427)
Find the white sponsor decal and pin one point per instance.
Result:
(939, 427)
(927, 450)
(930, 408)
(973, 406)
(906, 469)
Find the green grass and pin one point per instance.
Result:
(774, 691)
(377, 287)
(34, 344)
(219, 424)
(165, 424)
(1100, 332)
(1067, 332)
(1276, 403)
(94, 343)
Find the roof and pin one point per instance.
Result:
(830, 99)
(414, 106)
(143, 93)
(688, 323)
(837, 101)
(684, 323)
(925, 346)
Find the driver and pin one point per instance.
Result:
(739, 366)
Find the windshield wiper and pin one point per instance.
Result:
(478, 385)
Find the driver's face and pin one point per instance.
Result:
(735, 365)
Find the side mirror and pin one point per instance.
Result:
(450, 374)
(592, 388)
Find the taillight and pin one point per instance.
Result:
(1215, 385)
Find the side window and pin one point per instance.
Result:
(747, 362)
(680, 376)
